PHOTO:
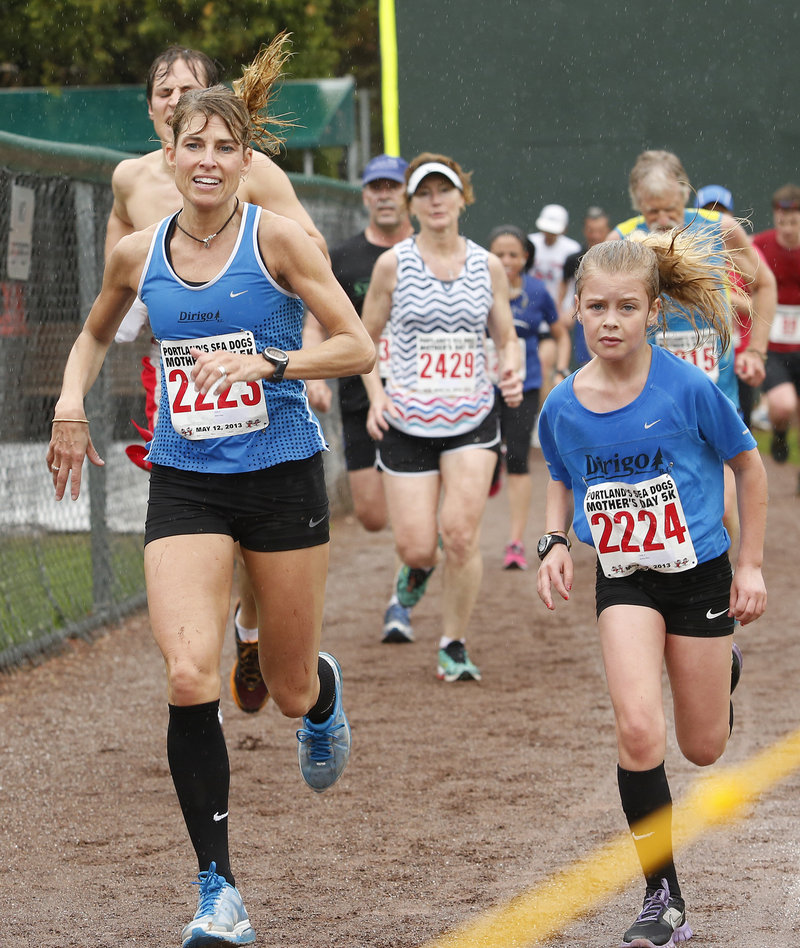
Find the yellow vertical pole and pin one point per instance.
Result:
(387, 26)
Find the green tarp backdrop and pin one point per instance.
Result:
(551, 102)
(115, 117)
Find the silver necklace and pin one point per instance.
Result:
(205, 241)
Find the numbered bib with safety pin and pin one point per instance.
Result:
(786, 326)
(384, 354)
(223, 411)
(684, 344)
(446, 363)
(639, 526)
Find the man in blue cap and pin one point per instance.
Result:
(713, 197)
(383, 193)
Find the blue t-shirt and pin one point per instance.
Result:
(530, 309)
(242, 297)
(681, 425)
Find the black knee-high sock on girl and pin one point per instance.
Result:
(644, 792)
(198, 762)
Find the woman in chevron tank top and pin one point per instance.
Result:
(435, 420)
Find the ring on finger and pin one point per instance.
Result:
(222, 370)
(54, 469)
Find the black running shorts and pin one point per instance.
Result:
(284, 507)
(694, 602)
(516, 424)
(400, 453)
(782, 367)
(359, 448)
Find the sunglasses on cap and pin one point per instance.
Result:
(786, 205)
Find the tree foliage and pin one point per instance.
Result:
(89, 42)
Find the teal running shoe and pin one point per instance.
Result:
(455, 664)
(410, 585)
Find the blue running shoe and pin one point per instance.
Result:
(455, 664)
(661, 923)
(323, 749)
(397, 623)
(220, 918)
(410, 585)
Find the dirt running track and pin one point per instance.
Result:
(457, 796)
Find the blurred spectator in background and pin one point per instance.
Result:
(715, 197)
(596, 228)
(552, 248)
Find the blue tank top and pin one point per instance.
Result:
(241, 298)
(679, 326)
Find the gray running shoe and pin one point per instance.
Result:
(661, 923)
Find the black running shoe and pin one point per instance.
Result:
(661, 923)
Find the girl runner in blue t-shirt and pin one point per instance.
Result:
(635, 442)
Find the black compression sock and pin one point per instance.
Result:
(198, 762)
(323, 708)
(643, 793)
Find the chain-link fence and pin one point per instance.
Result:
(67, 567)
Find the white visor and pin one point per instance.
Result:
(432, 167)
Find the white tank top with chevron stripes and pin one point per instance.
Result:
(437, 363)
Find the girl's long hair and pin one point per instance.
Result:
(678, 267)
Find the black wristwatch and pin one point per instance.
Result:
(279, 359)
(548, 541)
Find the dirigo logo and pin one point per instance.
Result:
(598, 468)
(198, 317)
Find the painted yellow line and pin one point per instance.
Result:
(390, 101)
(550, 907)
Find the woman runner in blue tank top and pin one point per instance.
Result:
(236, 457)
(636, 442)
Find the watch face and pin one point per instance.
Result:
(543, 543)
(274, 353)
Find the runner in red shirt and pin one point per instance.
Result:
(780, 247)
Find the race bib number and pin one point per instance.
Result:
(446, 363)
(704, 354)
(786, 326)
(493, 360)
(384, 351)
(639, 526)
(224, 410)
